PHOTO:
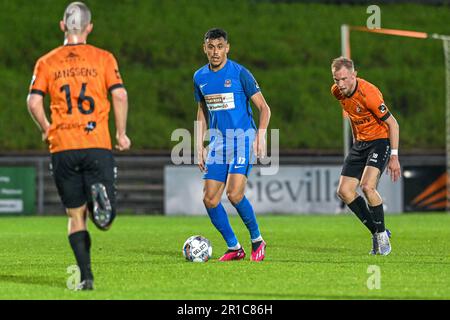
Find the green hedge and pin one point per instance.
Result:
(287, 46)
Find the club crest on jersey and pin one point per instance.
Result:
(358, 109)
(382, 108)
(227, 83)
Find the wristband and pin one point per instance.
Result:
(394, 152)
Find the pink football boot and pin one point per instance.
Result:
(233, 255)
(260, 253)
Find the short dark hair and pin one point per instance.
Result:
(216, 33)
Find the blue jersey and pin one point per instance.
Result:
(226, 94)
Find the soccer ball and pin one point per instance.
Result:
(197, 249)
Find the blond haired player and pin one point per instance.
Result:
(376, 141)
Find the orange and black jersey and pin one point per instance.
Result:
(366, 110)
(77, 78)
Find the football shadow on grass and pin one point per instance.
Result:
(33, 280)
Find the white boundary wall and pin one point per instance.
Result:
(301, 189)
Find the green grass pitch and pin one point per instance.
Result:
(308, 257)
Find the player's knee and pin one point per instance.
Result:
(234, 196)
(211, 201)
(345, 194)
(367, 189)
(341, 194)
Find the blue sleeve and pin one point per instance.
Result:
(249, 83)
(197, 93)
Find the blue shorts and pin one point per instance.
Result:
(240, 161)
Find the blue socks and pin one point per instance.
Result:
(219, 219)
(245, 210)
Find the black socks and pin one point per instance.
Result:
(360, 209)
(81, 244)
(378, 217)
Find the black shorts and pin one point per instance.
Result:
(374, 153)
(75, 171)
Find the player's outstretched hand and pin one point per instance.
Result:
(123, 142)
(394, 168)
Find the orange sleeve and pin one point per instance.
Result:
(375, 104)
(39, 82)
(336, 92)
(112, 74)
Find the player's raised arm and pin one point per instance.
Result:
(202, 116)
(394, 136)
(264, 117)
